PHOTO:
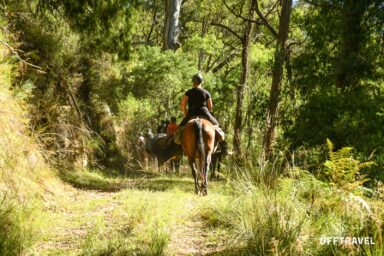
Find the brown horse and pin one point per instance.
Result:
(198, 142)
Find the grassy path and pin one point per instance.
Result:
(147, 215)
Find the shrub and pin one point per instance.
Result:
(342, 170)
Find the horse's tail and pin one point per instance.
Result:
(200, 141)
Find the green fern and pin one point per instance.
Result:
(342, 169)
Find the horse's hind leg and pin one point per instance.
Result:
(177, 165)
(218, 167)
(205, 174)
(194, 174)
(213, 167)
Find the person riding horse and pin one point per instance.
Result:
(200, 104)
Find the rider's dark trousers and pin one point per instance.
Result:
(201, 112)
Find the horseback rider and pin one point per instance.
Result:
(162, 126)
(148, 140)
(172, 127)
(199, 104)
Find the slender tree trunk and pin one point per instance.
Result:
(246, 41)
(154, 21)
(349, 64)
(201, 51)
(171, 26)
(277, 75)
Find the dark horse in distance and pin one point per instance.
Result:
(198, 142)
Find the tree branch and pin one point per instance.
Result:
(224, 62)
(18, 56)
(296, 42)
(264, 20)
(238, 15)
(228, 29)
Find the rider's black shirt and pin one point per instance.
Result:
(197, 98)
(197, 105)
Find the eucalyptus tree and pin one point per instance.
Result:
(277, 72)
(171, 25)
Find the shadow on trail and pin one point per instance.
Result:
(165, 184)
(139, 180)
(229, 252)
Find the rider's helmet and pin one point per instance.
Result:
(173, 119)
(197, 79)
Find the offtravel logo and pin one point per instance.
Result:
(347, 240)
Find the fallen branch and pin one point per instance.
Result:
(18, 56)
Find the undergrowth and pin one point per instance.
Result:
(25, 178)
(15, 233)
(289, 215)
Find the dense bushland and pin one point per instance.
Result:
(26, 179)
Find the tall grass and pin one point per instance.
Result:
(288, 212)
(15, 236)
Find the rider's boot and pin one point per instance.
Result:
(177, 136)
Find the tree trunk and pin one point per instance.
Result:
(350, 65)
(246, 41)
(171, 26)
(277, 75)
(201, 51)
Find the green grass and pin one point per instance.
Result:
(15, 236)
(290, 217)
(142, 213)
(151, 214)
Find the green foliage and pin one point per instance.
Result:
(25, 177)
(15, 234)
(104, 26)
(342, 170)
(337, 79)
(164, 74)
(79, 83)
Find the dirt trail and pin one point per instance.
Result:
(65, 225)
(69, 221)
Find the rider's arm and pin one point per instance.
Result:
(209, 104)
(183, 105)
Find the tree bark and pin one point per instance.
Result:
(246, 41)
(201, 51)
(277, 75)
(171, 26)
(350, 66)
